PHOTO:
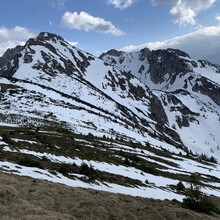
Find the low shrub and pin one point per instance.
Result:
(201, 204)
(196, 200)
(6, 138)
(88, 171)
(29, 162)
(180, 186)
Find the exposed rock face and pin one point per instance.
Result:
(208, 88)
(145, 53)
(112, 52)
(160, 65)
(9, 61)
(167, 62)
(157, 111)
(49, 36)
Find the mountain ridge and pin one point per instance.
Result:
(169, 77)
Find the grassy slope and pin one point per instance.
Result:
(27, 198)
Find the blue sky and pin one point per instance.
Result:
(100, 25)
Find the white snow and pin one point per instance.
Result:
(109, 187)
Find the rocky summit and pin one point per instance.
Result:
(134, 123)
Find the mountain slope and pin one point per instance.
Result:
(63, 202)
(117, 95)
(188, 90)
(72, 118)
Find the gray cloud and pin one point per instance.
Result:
(201, 44)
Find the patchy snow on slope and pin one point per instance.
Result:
(70, 87)
(209, 72)
(109, 187)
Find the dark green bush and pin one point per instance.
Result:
(126, 161)
(201, 204)
(29, 162)
(180, 187)
(88, 171)
(6, 138)
(196, 200)
(63, 169)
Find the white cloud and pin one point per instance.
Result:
(185, 11)
(86, 22)
(9, 44)
(9, 38)
(183, 14)
(201, 44)
(122, 4)
(59, 4)
(17, 33)
(217, 18)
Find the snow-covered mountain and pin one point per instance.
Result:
(132, 116)
(109, 98)
(189, 91)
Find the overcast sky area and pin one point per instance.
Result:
(100, 25)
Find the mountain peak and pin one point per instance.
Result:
(49, 36)
(178, 52)
(145, 52)
(112, 52)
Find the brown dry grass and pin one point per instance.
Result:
(26, 198)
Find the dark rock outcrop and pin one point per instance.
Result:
(209, 88)
(9, 61)
(112, 52)
(49, 36)
(163, 62)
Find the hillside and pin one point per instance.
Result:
(135, 124)
(27, 198)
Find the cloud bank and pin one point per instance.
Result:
(86, 22)
(201, 44)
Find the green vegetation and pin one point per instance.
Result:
(180, 187)
(59, 141)
(88, 171)
(29, 162)
(209, 159)
(6, 138)
(196, 200)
